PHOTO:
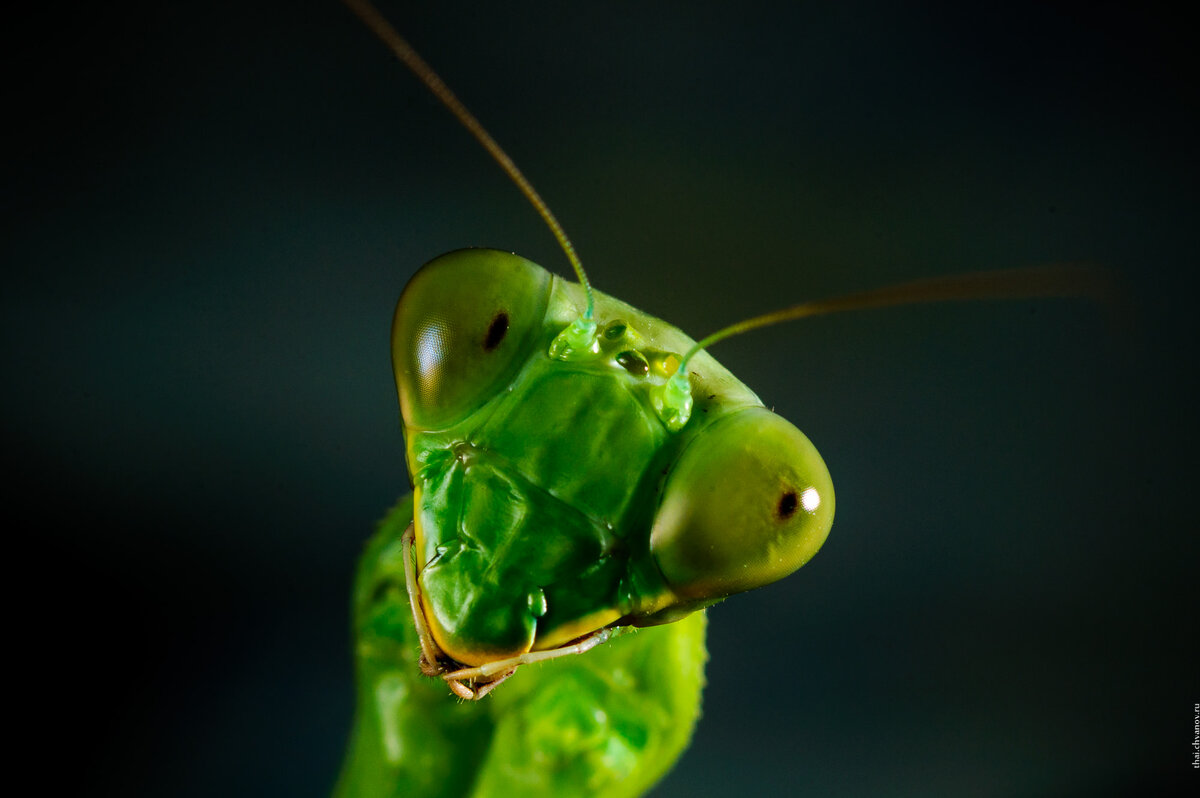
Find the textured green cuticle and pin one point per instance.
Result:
(608, 724)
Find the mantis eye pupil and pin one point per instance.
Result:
(496, 332)
(787, 505)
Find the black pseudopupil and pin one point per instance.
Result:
(787, 505)
(496, 332)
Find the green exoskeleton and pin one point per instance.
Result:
(582, 474)
(553, 505)
(579, 468)
(558, 492)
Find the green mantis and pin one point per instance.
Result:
(571, 459)
(580, 468)
(558, 495)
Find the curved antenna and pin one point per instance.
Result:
(1061, 280)
(673, 399)
(409, 57)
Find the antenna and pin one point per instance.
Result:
(673, 400)
(582, 333)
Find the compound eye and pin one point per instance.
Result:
(747, 503)
(464, 325)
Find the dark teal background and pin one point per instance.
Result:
(210, 210)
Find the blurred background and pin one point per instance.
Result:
(211, 208)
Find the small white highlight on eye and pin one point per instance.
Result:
(810, 499)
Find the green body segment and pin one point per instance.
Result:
(610, 723)
(540, 482)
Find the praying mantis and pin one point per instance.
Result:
(480, 342)
(214, 210)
